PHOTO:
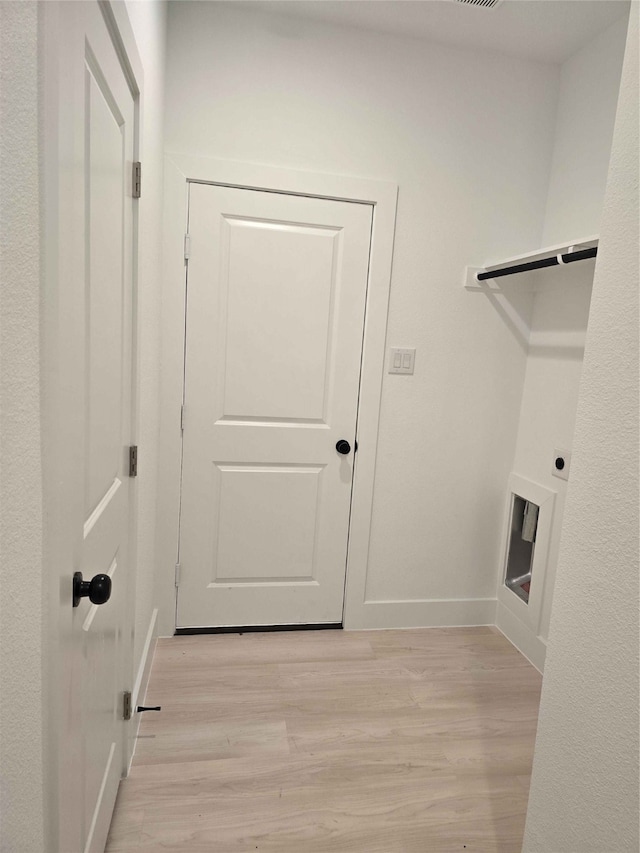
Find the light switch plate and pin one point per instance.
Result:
(401, 360)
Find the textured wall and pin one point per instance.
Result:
(149, 22)
(586, 111)
(468, 137)
(584, 793)
(21, 604)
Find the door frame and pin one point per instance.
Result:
(60, 204)
(180, 169)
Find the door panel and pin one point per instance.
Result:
(275, 317)
(105, 167)
(92, 388)
(253, 502)
(291, 322)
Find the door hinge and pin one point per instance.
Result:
(136, 184)
(182, 418)
(133, 460)
(178, 573)
(187, 246)
(126, 705)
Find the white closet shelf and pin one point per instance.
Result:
(471, 283)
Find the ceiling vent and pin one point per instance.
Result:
(486, 4)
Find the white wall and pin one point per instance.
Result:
(584, 793)
(22, 609)
(589, 85)
(149, 24)
(550, 393)
(468, 137)
(547, 419)
(586, 113)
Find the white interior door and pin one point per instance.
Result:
(90, 383)
(276, 299)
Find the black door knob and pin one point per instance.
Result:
(98, 589)
(343, 447)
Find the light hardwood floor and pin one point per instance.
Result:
(416, 741)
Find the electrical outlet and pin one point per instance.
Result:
(561, 464)
(401, 360)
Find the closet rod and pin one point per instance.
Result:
(556, 260)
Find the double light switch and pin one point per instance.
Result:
(401, 360)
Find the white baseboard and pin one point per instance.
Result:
(521, 636)
(140, 687)
(422, 613)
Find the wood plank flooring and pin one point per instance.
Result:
(416, 741)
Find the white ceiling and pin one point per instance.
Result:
(543, 30)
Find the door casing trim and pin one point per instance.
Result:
(382, 195)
